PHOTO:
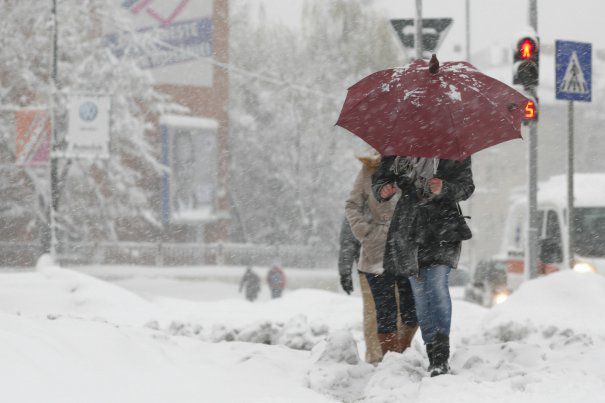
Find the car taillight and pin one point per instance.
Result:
(514, 266)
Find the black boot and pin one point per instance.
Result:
(430, 352)
(441, 355)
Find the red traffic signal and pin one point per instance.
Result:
(530, 111)
(527, 49)
(526, 62)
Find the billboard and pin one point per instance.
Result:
(182, 30)
(33, 134)
(189, 151)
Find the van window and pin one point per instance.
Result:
(517, 225)
(589, 230)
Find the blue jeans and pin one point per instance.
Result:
(385, 288)
(433, 302)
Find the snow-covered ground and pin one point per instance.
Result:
(68, 337)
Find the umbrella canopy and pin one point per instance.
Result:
(423, 110)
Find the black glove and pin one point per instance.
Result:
(346, 282)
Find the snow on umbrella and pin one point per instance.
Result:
(424, 110)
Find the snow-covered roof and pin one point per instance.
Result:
(589, 190)
(189, 121)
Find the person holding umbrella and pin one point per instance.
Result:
(424, 239)
(427, 120)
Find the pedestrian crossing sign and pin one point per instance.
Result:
(574, 71)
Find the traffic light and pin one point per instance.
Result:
(526, 62)
(530, 110)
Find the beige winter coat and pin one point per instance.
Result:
(369, 220)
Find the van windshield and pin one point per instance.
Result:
(590, 231)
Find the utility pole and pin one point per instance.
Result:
(531, 255)
(50, 245)
(418, 24)
(468, 30)
(570, 191)
(467, 49)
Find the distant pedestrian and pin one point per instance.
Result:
(277, 281)
(251, 283)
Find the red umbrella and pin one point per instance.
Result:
(423, 110)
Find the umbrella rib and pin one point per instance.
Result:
(365, 97)
(357, 103)
(455, 136)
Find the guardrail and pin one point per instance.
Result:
(171, 254)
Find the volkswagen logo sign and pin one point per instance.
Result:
(88, 111)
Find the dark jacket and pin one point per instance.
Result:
(349, 249)
(423, 234)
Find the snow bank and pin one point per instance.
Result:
(52, 291)
(76, 360)
(558, 302)
(236, 320)
(322, 310)
(299, 320)
(67, 337)
(338, 371)
(545, 344)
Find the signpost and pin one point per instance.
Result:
(573, 83)
(526, 72)
(88, 134)
(433, 32)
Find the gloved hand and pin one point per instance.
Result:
(346, 282)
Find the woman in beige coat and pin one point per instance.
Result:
(392, 297)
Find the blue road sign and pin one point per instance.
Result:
(574, 71)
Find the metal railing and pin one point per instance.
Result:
(171, 254)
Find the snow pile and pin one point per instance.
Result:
(299, 320)
(70, 338)
(545, 344)
(337, 371)
(397, 377)
(297, 333)
(561, 302)
(320, 307)
(53, 291)
(67, 337)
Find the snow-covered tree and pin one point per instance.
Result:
(292, 169)
(95, 196)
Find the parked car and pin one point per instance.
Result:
(488, 286)
(459, 277)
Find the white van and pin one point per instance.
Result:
(589, 209)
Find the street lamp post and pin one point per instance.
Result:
(531, 255)
(418, 24)
(50, 244)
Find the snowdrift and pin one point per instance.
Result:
(53, 291)
(561, 301)
(68, 337)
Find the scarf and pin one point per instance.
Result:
(418, 171)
